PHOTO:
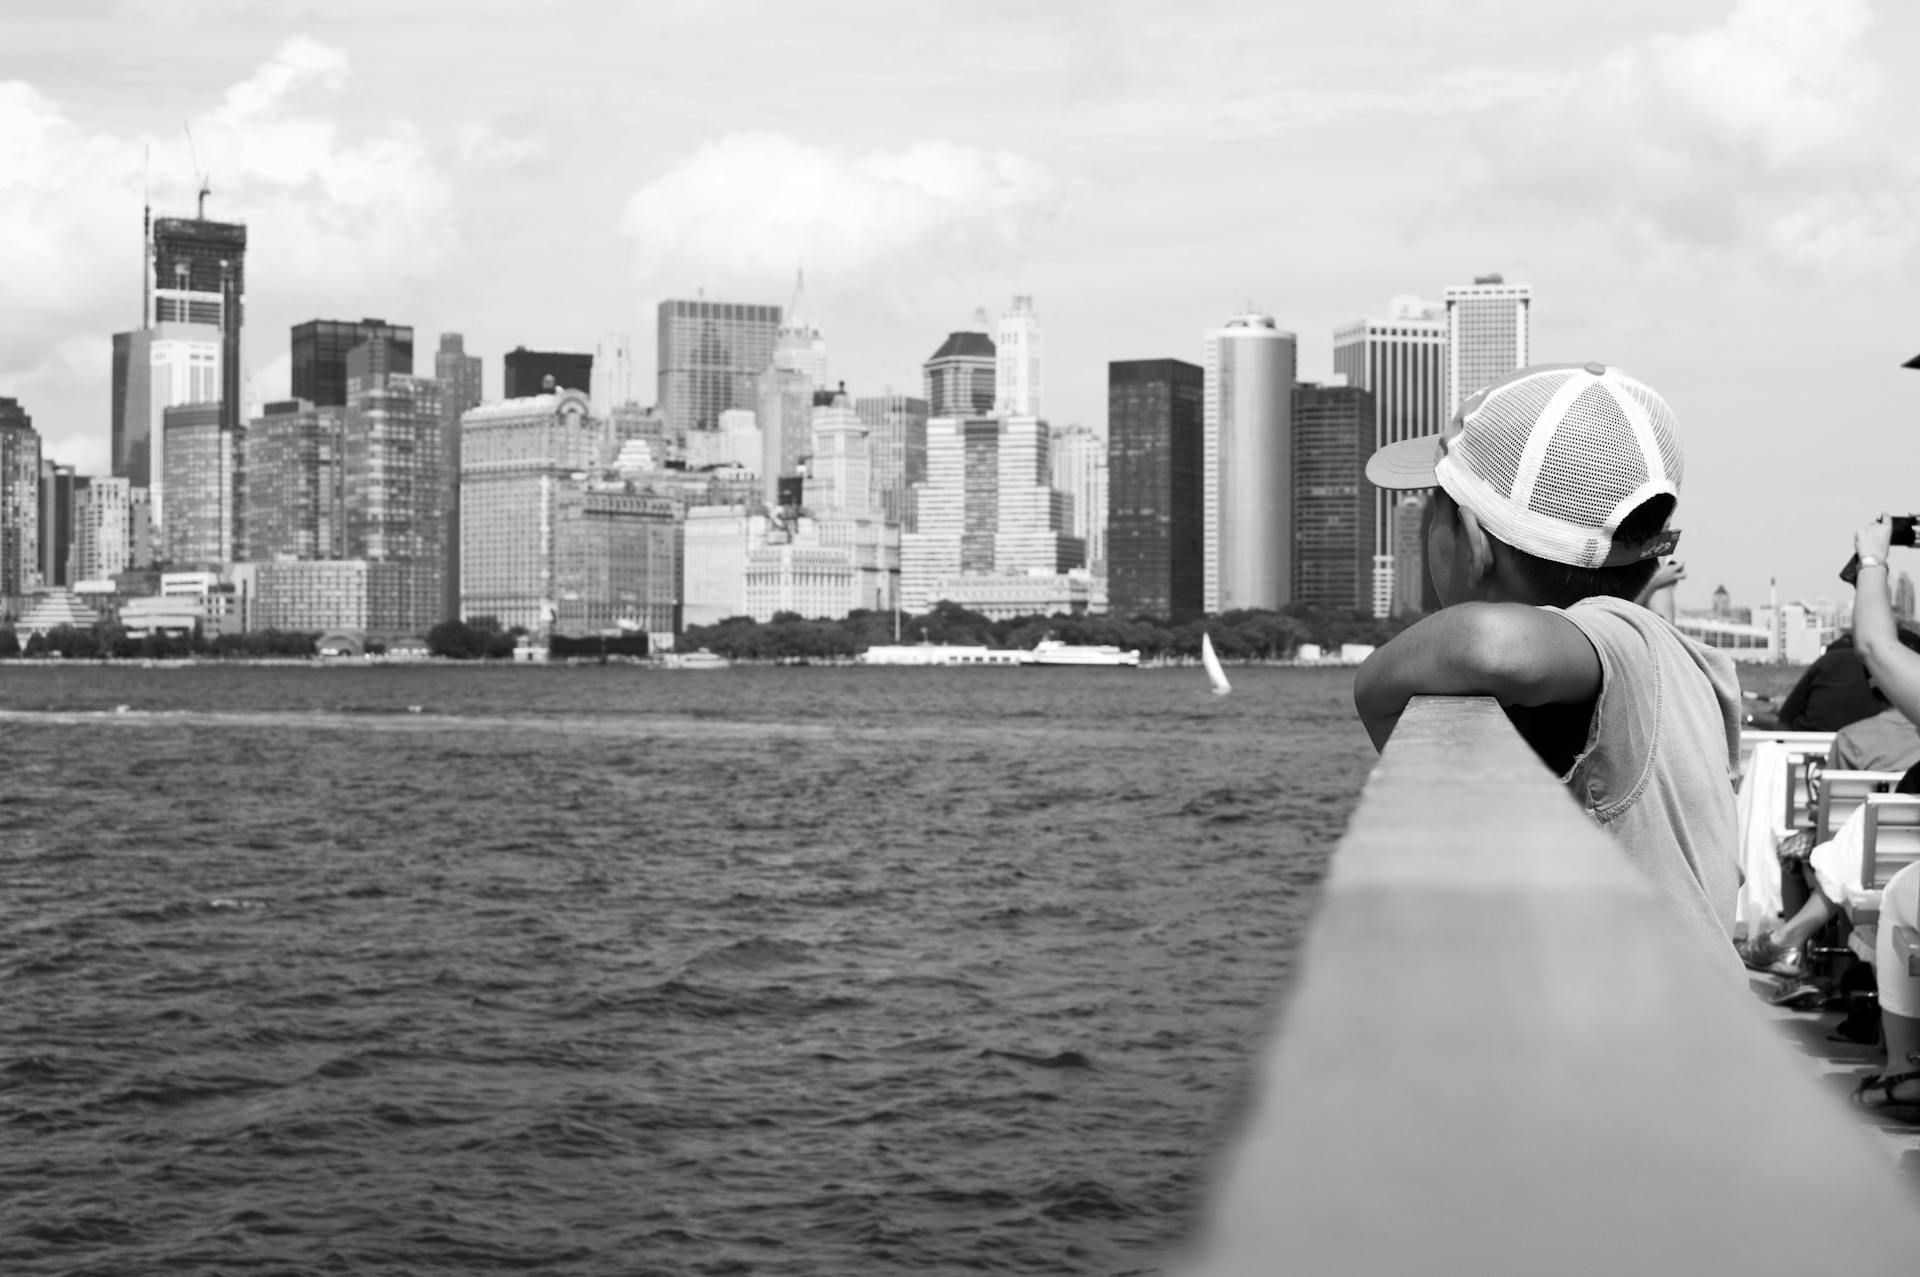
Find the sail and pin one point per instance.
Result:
(1215, 675)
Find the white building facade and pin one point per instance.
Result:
(103, 528)
(1018, 358)
(1402, 362)
(183, 368)
(514, 457)
(930, 550)
(612, 375)
(1247, 465)
(1080, 472)
(1489, 334)
(800, 346)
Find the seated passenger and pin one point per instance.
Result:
(1830, 694)
(1538, 568)
(1897, 969)
(1888, 741)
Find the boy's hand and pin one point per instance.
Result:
(1670, 572)
(1518, 654)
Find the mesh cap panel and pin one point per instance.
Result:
(1592, 463)
(1502, 425)
(1552, 458)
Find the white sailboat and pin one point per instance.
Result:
(1215, 675)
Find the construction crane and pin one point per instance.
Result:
(198, 176)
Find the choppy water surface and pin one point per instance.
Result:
(606, 970)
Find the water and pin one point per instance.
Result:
(608, 970)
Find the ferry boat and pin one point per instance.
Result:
(1054, 652)
(925, 654)
(700, 660)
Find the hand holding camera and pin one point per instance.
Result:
(1874, 540)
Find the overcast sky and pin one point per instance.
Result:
(1722, 198)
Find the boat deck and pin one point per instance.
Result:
(1839, 1065)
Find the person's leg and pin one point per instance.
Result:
(1896, 969)
(1815, 914)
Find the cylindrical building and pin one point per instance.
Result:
(1248, 465)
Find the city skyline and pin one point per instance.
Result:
(1735, 207)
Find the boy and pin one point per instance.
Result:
(1553, 491)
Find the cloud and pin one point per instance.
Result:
(1775, 130)
(750, 206)
(329, 212)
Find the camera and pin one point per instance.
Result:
(1904, 526)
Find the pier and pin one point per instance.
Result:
(1500, 1055)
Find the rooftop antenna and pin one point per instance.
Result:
(198, 176)
(146, 236)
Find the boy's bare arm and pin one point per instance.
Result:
(1519, 655)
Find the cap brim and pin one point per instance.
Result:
(1404, 465)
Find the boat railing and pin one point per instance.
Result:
(1501, 1053)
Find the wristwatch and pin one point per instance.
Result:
(1869, 561)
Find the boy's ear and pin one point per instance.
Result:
(1479, 548)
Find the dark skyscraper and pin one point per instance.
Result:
(1155, 531)
(961, 377)
(320, 349)
(132, 411)
(1333, 429)
(527, 371)
(56, 523)
(459, 376)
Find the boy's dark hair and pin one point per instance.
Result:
(1563, 585)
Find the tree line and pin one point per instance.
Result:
(108, 641)
(1239, 635)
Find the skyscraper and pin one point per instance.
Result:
(897, 440)
(1489, 334)
(184, 367)
(132, 424)
(1080, 472)
(392, 481)
(295, 495)
(200, 277)
(518, 458)
(459, 376)
(1333, 504)
(103, 528)
(1156, 557)
(800, 345)
(930, 551)
(200, 485)
(784, 412)
(611, 374)
(526, 372)
(960, 375)
(187, 348)
(1248, 465)
(1017, 361)
(710, 358)
(1402, 361)
(57, 483)
(19, 500)
(320, 348)
(988, 513)
(841, 472)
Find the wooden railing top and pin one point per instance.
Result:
(1502, 1054)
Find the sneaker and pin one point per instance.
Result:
(1761, 954)
(1799, 995)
